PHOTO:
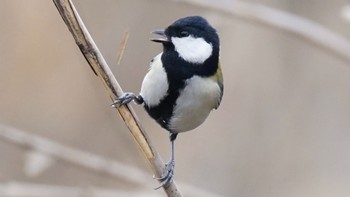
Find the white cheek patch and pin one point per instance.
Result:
(194, 50)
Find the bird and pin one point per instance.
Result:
(184, 82)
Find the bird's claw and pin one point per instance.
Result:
(126, 98)
(166, 179)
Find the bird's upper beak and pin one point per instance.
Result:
(163, 38)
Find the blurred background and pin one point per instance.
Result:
(283, 128)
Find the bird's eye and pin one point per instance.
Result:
(184, 34)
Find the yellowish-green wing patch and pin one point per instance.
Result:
(218, 77)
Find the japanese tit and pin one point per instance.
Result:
(184, 82)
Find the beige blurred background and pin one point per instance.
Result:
(283, 128)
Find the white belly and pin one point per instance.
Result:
(155, 84)
(194, 104)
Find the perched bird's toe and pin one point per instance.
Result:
(126, 98)
(167, 177)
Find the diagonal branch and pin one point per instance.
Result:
(102, 70)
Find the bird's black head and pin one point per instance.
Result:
(192, 37)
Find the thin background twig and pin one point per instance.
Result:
(122, 47)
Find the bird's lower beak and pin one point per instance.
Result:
(161, 33)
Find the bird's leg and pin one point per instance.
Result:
(126, 98)
(170, 166)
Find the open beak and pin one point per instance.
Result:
(162, 39)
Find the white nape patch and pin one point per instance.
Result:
(155, 84)
(191, 49)
(194, 104)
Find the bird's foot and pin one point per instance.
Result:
(126, 98)
(167, 177)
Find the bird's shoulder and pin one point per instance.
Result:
(219, 79)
